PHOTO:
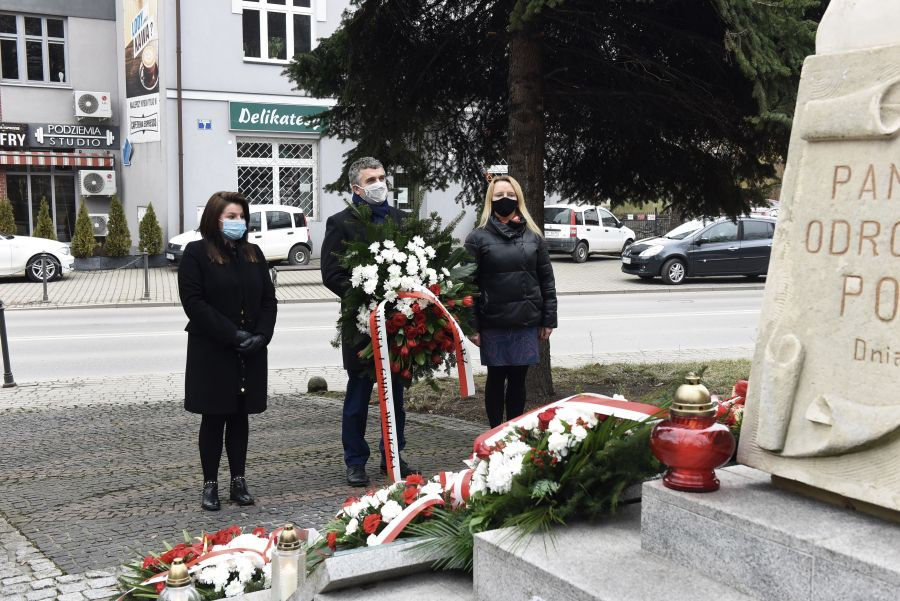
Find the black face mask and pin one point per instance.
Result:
(504, 206)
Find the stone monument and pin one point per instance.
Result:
(823, 407)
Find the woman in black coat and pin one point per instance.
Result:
(229, 299)
(517, 305)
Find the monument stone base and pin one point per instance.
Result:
(750, 540)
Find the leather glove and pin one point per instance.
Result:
(241, 336)
(252, 345)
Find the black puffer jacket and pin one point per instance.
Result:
(514, 275)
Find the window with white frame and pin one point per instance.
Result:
(276, 30)
(32, 49)
(282, 171)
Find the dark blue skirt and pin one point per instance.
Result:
(509, 346)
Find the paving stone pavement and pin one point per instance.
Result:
(126, 286)
(96, 471)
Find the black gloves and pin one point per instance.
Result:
(252, 345)
(240, 337)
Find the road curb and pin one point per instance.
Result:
(300, 301)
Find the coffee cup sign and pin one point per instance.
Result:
(149, 68)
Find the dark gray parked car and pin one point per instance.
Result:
(721, 247)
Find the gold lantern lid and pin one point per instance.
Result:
(288, 539)
(692, 399)
(178, 574)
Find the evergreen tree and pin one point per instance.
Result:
(7, 217)
(118, 240)
(83, 243)
(150, 234)
(44, 227)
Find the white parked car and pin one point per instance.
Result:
(580, 230)
(279, 230)
(22, 255)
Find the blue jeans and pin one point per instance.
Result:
(356, 411)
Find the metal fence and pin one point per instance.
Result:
(647, 225)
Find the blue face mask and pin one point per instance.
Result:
(234, 229)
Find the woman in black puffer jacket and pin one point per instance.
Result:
(517, 305)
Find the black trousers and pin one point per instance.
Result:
(505, 388)
(236, 430)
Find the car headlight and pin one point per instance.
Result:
(64, 250)
(652, 251)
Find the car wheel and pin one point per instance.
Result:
(34, 271)
(580, 254)
(299, 255)
(673, 272)
(628, 243)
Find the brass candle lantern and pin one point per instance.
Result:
(179, 585)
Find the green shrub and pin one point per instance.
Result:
(7, 217)
(150, 238)
(83, 243)
(118, 240)
(44, 227)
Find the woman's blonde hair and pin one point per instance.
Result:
(520, 197)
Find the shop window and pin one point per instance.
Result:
(27, 189)
(279, 172)
(33, 49)
(276, 30)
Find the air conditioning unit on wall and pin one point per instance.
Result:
(97, 105)
(100, 224)
(97, 183)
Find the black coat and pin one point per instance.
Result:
(514, 276)
(340, 228)
(219, 300)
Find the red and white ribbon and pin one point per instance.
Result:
(409, 513)
(380, 349)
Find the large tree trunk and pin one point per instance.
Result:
(526, 152)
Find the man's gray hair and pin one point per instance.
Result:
(360, 164)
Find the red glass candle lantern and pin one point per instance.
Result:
(690, 442)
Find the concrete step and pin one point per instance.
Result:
(586, 562)
(773, 544)
(430, 586)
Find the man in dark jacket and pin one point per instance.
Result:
(367, 182)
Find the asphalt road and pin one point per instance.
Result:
(51, 344)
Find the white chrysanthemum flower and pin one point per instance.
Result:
(382, 495)
(390, 295)
(445, 271)
(356, 276)
(430, 252)
(352, 526)
(400, 257)
(579, 432)
(370, 286)
(234, 588)
(395, 271)
(374, 247)
(389, 244)
(220, 576)
(516, 447)
(418, 241)
(529, 422)
(245, 569)
(558, 444)
(207, 575)
(390, 510)
(370, 501)
(432, 488)
(431, 275)
(412, 266)
(556, 426)
(379, 259)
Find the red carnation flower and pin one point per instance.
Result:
(160, 587)
(451, 303)
(404, 351)
(410, 494)
(545, 417)
(150, 562)
(399, 319)
(332, 540)
(467, 301)
(416, 308)
(435, 289)
(391, 328)
(740, 389)
(415, 480)
(421, 329)
(371, 523)
(412, 343)
(482, 451)
(261, 532)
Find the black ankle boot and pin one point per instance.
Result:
(239, 492)
(210, 499)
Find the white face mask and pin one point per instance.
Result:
(375, 193)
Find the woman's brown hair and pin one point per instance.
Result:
(212, 233)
